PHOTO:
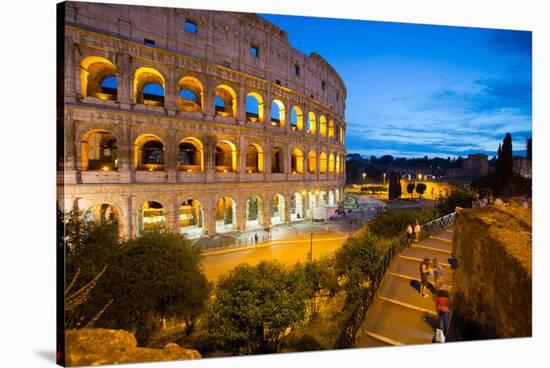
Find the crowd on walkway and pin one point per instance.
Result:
(431, 268)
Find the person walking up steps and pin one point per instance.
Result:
(417, 231)
(424, 274)
(409, 234)
(442, 303)
(439, 280)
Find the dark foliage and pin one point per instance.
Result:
(420, 189)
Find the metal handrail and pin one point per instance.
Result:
(346, 339)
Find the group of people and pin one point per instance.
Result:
(413, 233)
(442, 298)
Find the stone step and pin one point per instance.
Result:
(434, 243)
(406, 291)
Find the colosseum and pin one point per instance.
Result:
(201, 122)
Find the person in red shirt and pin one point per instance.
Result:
(442, 305)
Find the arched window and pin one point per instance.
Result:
(190, 94)
(277, 160)
(297, 162)
(191, 218)
(296, 119)
(225, 101)
(277, 113)
(254, 158)
(99, 151)
(98, 78)
(296, 207)
(254, 107)
(226, 214)
(151, 217)
(254, 210)
(311, 162)
(149, 87)
(331, 163)
(323, 126)
(149, 153)
(331, 129)
(311, 123)
(323, 163)
(337, 164)
(278, 209)
(102, 213)
(225, 157)
(190, 155)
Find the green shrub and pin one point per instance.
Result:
(255, 306)
(457, 198)
(394, 223)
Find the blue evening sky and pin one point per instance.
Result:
(416, 90)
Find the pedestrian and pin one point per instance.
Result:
(417, 231)
(424, 274)
(442, 305)
(409, 234)
(438, 274)
(256, 238)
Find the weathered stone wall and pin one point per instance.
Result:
(492, 281)
(102, 346)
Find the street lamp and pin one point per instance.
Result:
(364, 176)
(419, 176)
(384, 177)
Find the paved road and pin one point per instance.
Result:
(399, 315)
(288, 252)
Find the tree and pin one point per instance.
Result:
(457, 198)
(255, 306)
(321, 281)
(420, 189)
(158, 275)
(410, 188)
(507, 161)
(357, 259)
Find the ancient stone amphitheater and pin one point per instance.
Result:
(201, 122)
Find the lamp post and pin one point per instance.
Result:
(365, 177)
(384, 178)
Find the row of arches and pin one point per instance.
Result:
(98, 78)
(100, 152)
(191, 216)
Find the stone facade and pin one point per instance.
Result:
(492, 282)
(197, 118)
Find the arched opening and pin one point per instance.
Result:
(277, 160)
(99, 151)
(149, 87)
(191, 218)
(151, 217)
(226, 215)
(311, 204)
(323, 163)
(190, 155)
(331, 163)
(311, 162)
(322, 198)
(323, 126)
(190, 94)
(277, 113)
(102, 213)
(296, 119)
(297, 162)
(331, 129)
(278, 209)
(254, 211)
(341, 135)
(330, 198)
(254, 107)
(311, 123)
(98, 78)
(337, 195)
(254, 158)
(225, 159)
(296, 207)
(225, 102)
(149, 153)
(337, 164)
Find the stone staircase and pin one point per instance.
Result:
(399, 315)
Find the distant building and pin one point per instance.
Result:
(474, 166)
(522, 166)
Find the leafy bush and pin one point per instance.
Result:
(457, 198)
(394, 223)
(157, 276)
(358, 258)
(421, 188)
(255, 306)
(320, 281)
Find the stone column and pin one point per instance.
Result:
(124, 79)
(288, 208)
(267, 111)
(209, 162)
(172, 216)
(209, 96)
(170, 157)
(241, 214)
(241, 106)
(170, 93)
(266, 211)
(130, 217)
(209, 220)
